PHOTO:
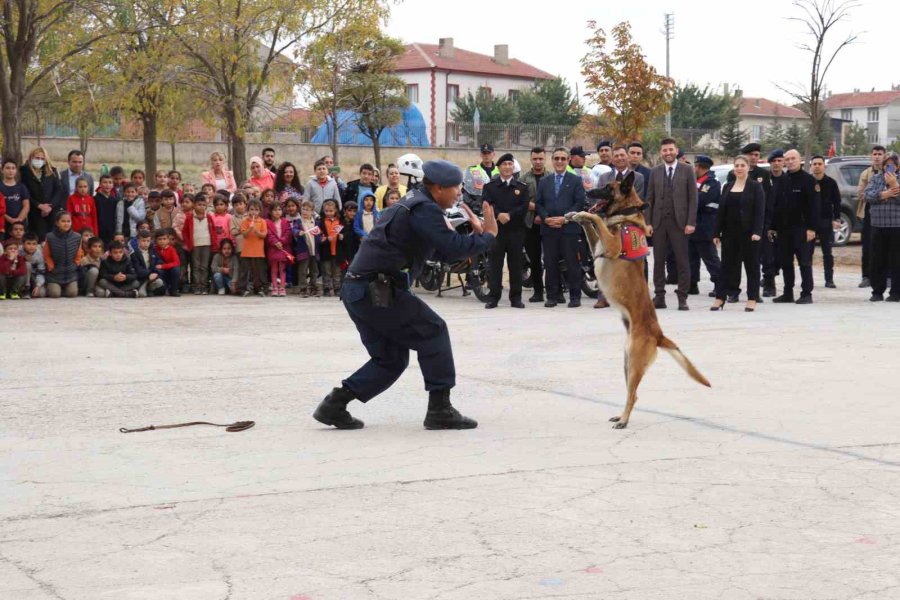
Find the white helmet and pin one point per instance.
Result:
(410, 165)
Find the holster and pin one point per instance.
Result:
(381, 291)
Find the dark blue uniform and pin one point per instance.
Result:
(700, 244)
(407, 234)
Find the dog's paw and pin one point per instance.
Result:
(615, 419)
(621, 425)
(570, 216)
(577, 217)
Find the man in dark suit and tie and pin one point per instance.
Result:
(558, 193)
(76, 169)
(672, 196)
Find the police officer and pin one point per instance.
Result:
(753, 151)
(797, 216)
(477, 176)
(700, 244)
(830, 196)
(604, 152)
(509, 198)
(577, 158)
(770, 249)
(392, 321)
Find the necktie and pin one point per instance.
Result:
(671, 170)
(559, 179)
(619, 176)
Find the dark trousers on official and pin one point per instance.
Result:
(770, 257)
(670, 235)
(704, 250)
(561, 246)
(508, 244)
(389, 334)
(739, 250)
(866, 243)
(885, 257)
(533, 249)
(793, 244)
(826, 241)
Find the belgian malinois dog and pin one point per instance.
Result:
(619, 265)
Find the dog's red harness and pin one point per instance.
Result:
(634, 242)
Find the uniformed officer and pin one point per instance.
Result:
(796, 219)
(577, 158)
(391, 320)
(753, 151)
(509, 198)
(770, 251)
(477, 176)
(700, 244)
(604, 152)
(830, 218)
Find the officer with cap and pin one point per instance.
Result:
(577, 158)
(477, 176)
(391, 320)
(509, 198)
(700, 244)
(770, 250)
(605, 151)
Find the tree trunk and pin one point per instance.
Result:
(149, 121)
(10, 117)
(172, 147)
(376, 148)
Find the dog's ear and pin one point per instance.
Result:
(627, 184)
(597, 193)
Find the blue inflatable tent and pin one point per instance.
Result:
(410, 131)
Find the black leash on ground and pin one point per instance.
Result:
(236, 426)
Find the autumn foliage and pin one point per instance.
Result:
(628, 92)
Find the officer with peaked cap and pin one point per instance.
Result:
(390, 319)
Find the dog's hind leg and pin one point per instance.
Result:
(639, 356)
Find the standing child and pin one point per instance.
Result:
(35, 267)
(12, 271)
(165, 216)
(146, 267)
(332, 249)
(130, 211)
(82, 208)
(221, 219)
(268, 201)
(17, 233)
(187, 209)
(90, 267)
(62, 255)
(238, 212)
(366, 218)
(15, 199)
(292, 214)
(160, 180)
(351, 242)
(200, 241)
(391, 198)
(225, 269)
(169, 268)
(117, 277)
(278, 248)
(154, 202)
(308, 237)
(253, 256)
(106, 204)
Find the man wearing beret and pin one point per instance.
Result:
(604, 151)
(477, 176)
(700, 244)
(509, 199)
(770, 251)
(390, 319)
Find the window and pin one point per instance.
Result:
(847, 114)
(872, 133)
(452, 132)
(872, 115)
(486, 90)
(757, 133)
(851, 173)
(513, 94)
(412, 92)
(452, 92)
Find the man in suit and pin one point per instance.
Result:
(70, 176)
(558, 193)
(672, 196)
(636, 162)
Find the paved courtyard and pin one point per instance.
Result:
(780, 482)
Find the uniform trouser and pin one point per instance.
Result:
(389, 334)
(885, 257)
(200, 258)
(561, 246)
(739, 250)
(826, 241)
(116, 290)
(56, 290)
(533, 249)
(11, 285)
(770, 255)
(509, 244)
(670, 235)
(793, 243)
(151, 287)
(704, 250)
(331, 274)
(866, 243)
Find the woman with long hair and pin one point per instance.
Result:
(42, 181)
(287, 182)
(218, 175)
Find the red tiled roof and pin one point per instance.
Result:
(297, 116)
(854, 99)
(424, 57)
(761, 107)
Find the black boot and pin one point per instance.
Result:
(442, 415)
(333, 410)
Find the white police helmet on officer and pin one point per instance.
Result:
(410, 165)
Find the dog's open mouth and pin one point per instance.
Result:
(599, 207)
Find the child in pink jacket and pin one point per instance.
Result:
(278, 248)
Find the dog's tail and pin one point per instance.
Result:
(672, 348)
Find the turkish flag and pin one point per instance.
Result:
(832, 150)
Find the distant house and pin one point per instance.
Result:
(757, 114)
(437, 74)
(877, 112)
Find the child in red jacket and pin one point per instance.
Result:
(201, 242)
(170, 268)
(12, 271)
(82, 207)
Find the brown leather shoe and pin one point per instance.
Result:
(601, 303)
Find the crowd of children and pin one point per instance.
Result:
(127, 241)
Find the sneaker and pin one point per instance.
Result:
(89, 295)
(175, 294)
(864, 283)
(893, 298)
(2, 296)
(304, 293)
(204, 292)
(247, 293)
(261, 293)
(131, 294)
(221, 291)
(14, 296)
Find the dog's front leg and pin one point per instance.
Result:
(612, 243)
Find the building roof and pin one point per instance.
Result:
(860, 99)
(424, 57)
(297, 117)
(762, 107)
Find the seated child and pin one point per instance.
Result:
(12, 271)
(169, 268)
(90, 267)
(117, 278)
(35, 266)
(225, 269)
(146, 267)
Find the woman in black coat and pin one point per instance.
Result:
(45, 188)
(739, 228)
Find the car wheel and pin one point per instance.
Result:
(842, 235)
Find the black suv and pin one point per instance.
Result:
(846, 171)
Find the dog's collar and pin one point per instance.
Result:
(632, 210)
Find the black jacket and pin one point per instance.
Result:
(798, 204)
(753, 208)
(830, 196)
(110, 268)
(352, 192)
(46, 190)
(511, 199)
(142, 271)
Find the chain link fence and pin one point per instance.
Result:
(507, 135)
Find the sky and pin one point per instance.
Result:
(749, 44)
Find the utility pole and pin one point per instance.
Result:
(669, 30)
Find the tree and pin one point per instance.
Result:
(549, 102)
(491, 109)
(628, 92)
(856, 140)
(731, 136)
(37, 37)
(795, 136)
(774, 136)
(820, 17)
(696, 108)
